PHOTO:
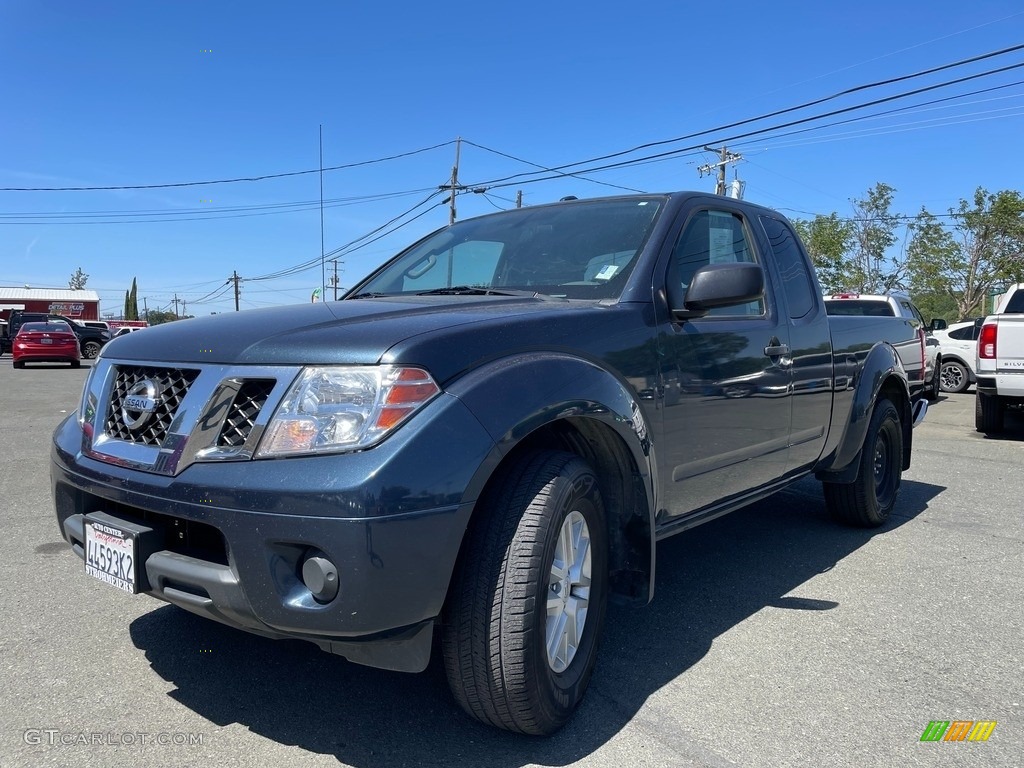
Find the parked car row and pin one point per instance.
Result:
(90, 340)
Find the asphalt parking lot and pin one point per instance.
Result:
(776, 638)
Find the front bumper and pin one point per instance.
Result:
(235, 534)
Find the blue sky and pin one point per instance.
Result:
(146, 93)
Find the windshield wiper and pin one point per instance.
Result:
(465, 290)
(368, 295)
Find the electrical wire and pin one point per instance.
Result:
(228, 181)
(311, 263)
(501, 183)
(779, 112)
(896, 110)
(545, 168)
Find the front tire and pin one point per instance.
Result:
(868, 500)
(527, 603)
(954, 377)
(988, 414)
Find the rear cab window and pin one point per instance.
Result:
(862, 307)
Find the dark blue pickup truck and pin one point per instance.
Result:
(487, 437)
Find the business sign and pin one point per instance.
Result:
(67, 308)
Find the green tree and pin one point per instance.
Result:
(984, 250)
(78, 280)
(828, 240)
(158, 317)
(874, 233)
(131, 302)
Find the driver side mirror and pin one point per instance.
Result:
(721, 285)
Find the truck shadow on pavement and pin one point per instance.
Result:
(710, 579)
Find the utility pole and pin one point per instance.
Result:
(323, 271)
(334, 279)
(724, 158)
(519, 199)
(175, 300)
(235, 278)
(145, 307)
(455, 181)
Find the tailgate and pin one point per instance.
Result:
(1010, 343)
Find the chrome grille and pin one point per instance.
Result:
(172, 384)
(243, 412)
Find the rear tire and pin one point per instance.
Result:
(90, 349)
(988, 414)
(527, 603)
(19, 363)
(954, 377)
(933, 389)
(76, 364)
(868, 500)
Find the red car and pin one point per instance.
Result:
(48, 342)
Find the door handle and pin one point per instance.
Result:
(776, 350)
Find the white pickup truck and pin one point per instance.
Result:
(1000, 363)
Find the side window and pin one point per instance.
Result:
(909, 310)
(1016, 303)
(792, 264)
(970, 333)
(713, 237)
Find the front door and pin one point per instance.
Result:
(726, 377)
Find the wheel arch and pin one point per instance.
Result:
(882, 375)
(592, 414)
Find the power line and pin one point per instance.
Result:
(333, 202)
(225, 181)
(545, 168)
(776, 113)
(508, 181)
(310, 263)
(896, 110)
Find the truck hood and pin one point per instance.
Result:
(358, 332)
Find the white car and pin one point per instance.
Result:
(959, 347)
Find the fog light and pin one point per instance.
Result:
(321, 578)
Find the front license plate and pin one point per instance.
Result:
(111, 554)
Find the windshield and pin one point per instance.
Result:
(580, 250)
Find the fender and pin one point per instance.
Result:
(517, 397)
(882, 369)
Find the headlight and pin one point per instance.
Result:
(345, 408)
(87, 405)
